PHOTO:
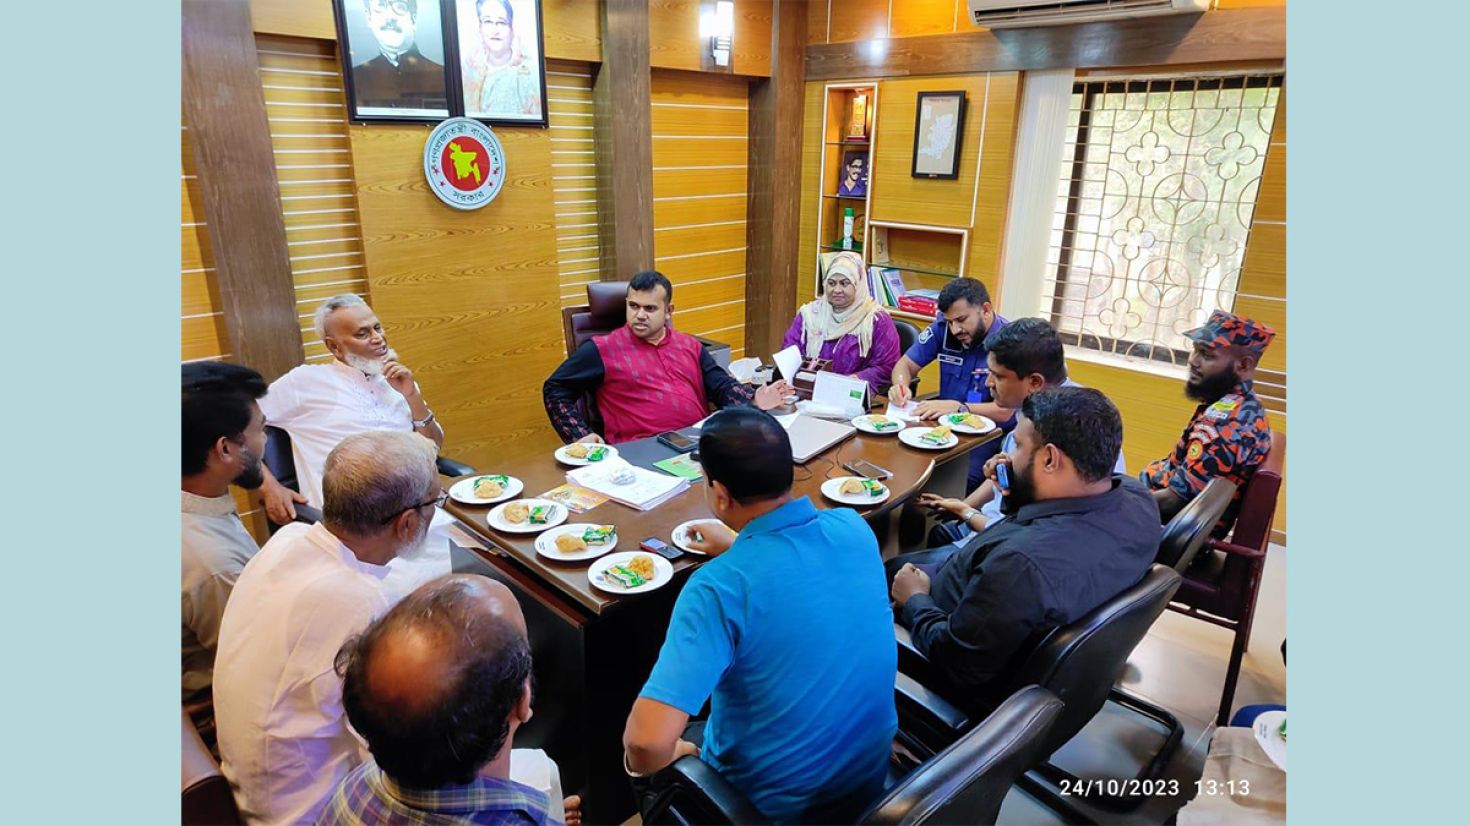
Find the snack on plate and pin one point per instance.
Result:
(871, 487)
(489, 487)
(516, 512)
(577, 450)
(599, 534)
(596, 453)
(539, 515)
(938, 435)
(570, 543)
(637, 571)
(882, 423)
(971, 420)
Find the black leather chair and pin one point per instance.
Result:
(964, 783)
(1191, 527)
(207, 797)
(282, 463)
(1080, 663)
(908, 334)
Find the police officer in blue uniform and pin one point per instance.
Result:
(957, 339)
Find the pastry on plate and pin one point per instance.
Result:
(516, 512)
(853, 486)
(938, 435)
(489, 487)
(577, 450)
(569, 543)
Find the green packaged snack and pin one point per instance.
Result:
(539, 515)
(873, 487)
(596, 454)
(623, 576)
(598, 534)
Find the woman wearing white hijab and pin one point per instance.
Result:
(846, 326)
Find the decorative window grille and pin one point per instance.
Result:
(1158, 184)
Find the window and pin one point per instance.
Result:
(1158, 184)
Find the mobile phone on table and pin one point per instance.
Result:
(1003, 479)
(654, 545)
(678, 441)
(866, 469)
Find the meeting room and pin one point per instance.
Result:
(733, 411)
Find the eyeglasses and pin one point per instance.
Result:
(396, 6)
(437, 501)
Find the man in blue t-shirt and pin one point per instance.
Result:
(957, 339)
(787, 631)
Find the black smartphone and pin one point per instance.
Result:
(654, 545)
(865, 469)
(678, 441)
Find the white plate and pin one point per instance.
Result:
(663, 572)
(497, 520)
(546, 543)
(464, 490)
(561, 456)
(832, 489)
(910, 436)
(1268, 733)
(950, 418)
(681, 535)
(864, 424)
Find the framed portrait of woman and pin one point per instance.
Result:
(502, 75)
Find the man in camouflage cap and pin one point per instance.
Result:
(1229, 434)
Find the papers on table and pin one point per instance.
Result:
(788, 361)
(744, 369)
(846, 394)
(904, 412)
(627, 484)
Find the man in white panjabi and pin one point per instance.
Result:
(283, 735)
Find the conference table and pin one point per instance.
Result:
(593, 650)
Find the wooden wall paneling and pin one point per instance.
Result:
(896, 195)
(675, 43)
(812, 152)
(571, 30)
(856, 20)
(469, 297)
(753, 30)
(912, 18)
(305, 109)
(573, 177)
(700, 183)
(993, 188)
(623, 141)
(294, 18)
(225, 110)
(816, 21)
(1221, 35)
(774, 215)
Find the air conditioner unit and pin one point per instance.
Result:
(1010, 14)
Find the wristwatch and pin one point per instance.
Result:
(425, 421)
(970, 513)
(964, 408)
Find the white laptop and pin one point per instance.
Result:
(810, 436)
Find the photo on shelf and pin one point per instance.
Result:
(857, 123)
(939, 128)
(854, 180)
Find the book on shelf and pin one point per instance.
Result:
(918, 305)
(893, 279)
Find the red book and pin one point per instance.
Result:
(918, 304)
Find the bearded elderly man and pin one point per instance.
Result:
(283, 735)
(363, 388)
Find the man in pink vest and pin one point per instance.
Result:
(646, 377)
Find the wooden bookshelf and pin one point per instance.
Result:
(926, 256)
(840, 136)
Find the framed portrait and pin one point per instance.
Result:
(497, 47)
(393, 59)
(939, 129)
(852, 178)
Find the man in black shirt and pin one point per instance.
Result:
(400, 76)
(1076, 537)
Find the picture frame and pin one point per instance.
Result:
(394, 62)
(499, 58)
(939, 133)
(852, 177)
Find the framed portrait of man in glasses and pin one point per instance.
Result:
(393, 61)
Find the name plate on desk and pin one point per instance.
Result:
(839, 392)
